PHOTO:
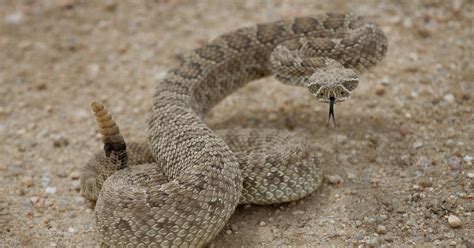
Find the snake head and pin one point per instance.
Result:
(334, 84)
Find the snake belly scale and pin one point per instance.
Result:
(180, 187)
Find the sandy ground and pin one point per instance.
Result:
(399, 164)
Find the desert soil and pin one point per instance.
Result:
(398, 165)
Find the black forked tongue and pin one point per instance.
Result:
(332, 101)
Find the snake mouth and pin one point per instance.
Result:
(337, 94)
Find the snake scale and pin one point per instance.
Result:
(180, 187)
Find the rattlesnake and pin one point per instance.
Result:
(181, 187)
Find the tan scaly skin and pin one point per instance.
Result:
(180, 187)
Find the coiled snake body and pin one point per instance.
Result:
(181, 187)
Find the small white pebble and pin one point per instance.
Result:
(449, 98)
(385, 81)
(76, 185)
(470, 174)
(381, 229)
(351, 175)
(467, 159)
(34, 199)
(228, 232)
(334, 179)
(262, 223)
(71, 230)
(341, 138)
(93, 70)
(50, 190)
(75, 174)
(298, 212)
(451, 142)
(454, 221)
(15, 18)
(417, 144)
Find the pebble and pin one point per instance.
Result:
(381, 229)
(34, 199)
(66, 4)
(370, 220)
(450, 143)
(424, 163)
(385, 81)
(454, 221)
(449, 98)
(381, 218)
(405, 159)
(110, 5)
(262, 223)
(468, 159)
(80, 115)
(38, 202)
(404, 129)
(228, 232)
(379, 89)
(76, 185)
(234, 227)
(80, 201)
(71, 230)
(417, 144)
(75, 175)
(341, 139)
(407, 23)
(373, 241)
(45, 179)
(470, 174)
(454, 162)
(159, 75)
(93, 71)
(411, 222)
(50, 190)
(359, 236)
(342, 158)
(351, 175)
(298, 212)
(425, 183)
(60, 141)
(27, 181)
(14, 18)
(48, 108)
(334, 179)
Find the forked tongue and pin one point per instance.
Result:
(332, 101)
